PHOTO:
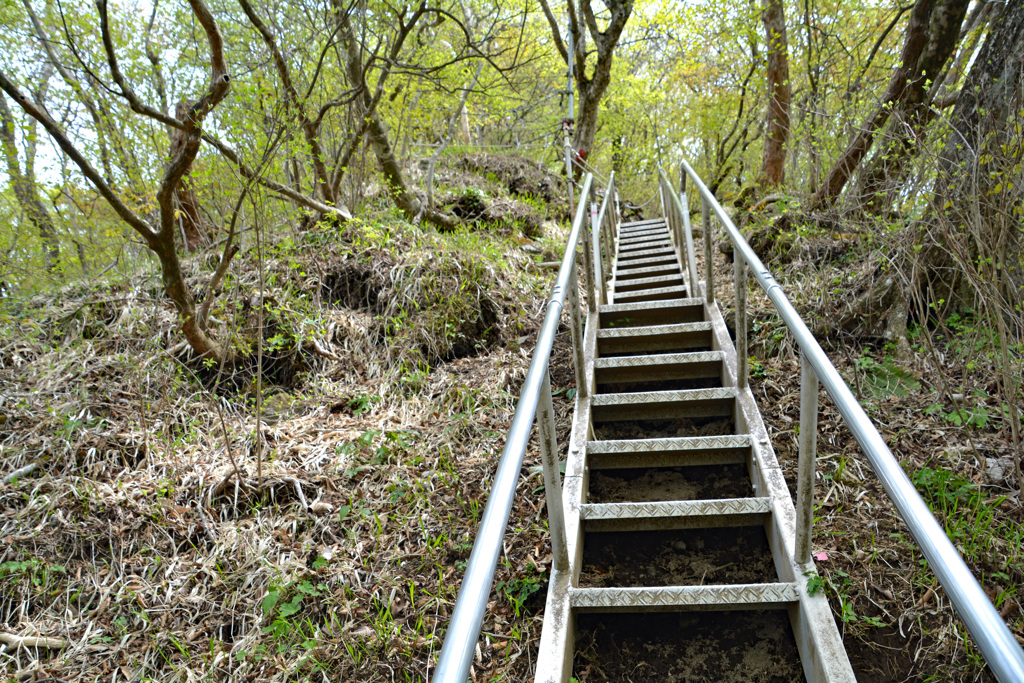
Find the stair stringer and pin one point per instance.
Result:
(822, 653)
(561, 636)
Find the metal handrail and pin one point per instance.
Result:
(678, 211)
(467, 618)
(994, 639)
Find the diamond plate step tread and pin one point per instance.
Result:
(645, 236)
(626, 252)
(658, 359)
(637, 224)
(668, 268)
(673, 443)
(651, 330)
(626, 232)
(643, 232)
(646, 253)
(648, 305)
(666, 258)
(631, 245)
(643, 229)
(678, 508)
(657, 293)
(739, 595)
(678, 396)
(651, 280)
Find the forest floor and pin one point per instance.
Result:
(163, 536)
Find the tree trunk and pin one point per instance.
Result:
(773, 162)
(930, 39)
(160, 239)
(26, 192)
(194, 226)
(377, 134)
(978, 194)
(969, 245)
(913, 111)
(591, 88)
(296, 103)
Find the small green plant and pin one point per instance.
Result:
(814, 582)
(284, 601)
(35, 572)
(968, 416)
(886, 378)
(361, 403)
(839, 584)
(519, 589)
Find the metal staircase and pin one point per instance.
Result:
(678, 553)
(664, 426)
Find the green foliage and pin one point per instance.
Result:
(814, 582)
(970, 416)
(972, 521)
(34, 572)
(518, 589)
(840, 584)
(281, 605)
(886, 378)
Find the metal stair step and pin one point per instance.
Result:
(646, 282)
(659, 367)
(626, 250)
(696, 451)
(655, 338)
(653, 271)
(651, 313)
(631, 242)
(645, 253)
(639, 224)
(642, 235)
(679, 514)
(663, 405)
(738, 596)
(624, 266)
(645, 235)
(655, 294)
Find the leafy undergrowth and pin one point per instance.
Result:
(939, 411)
(164, 537)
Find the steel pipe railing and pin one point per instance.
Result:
(678, 217)
(464, 627)
(994, 639)
(600, 236)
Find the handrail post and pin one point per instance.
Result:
(607, 229)
(709, 260)
(661, 196)
(576, 327)
(691, 260)
(588, 264)
(601, 291)
(552, 482)
(808, 448)
(670, 211)
(740, 281)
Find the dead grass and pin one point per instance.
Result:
(145, 546)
